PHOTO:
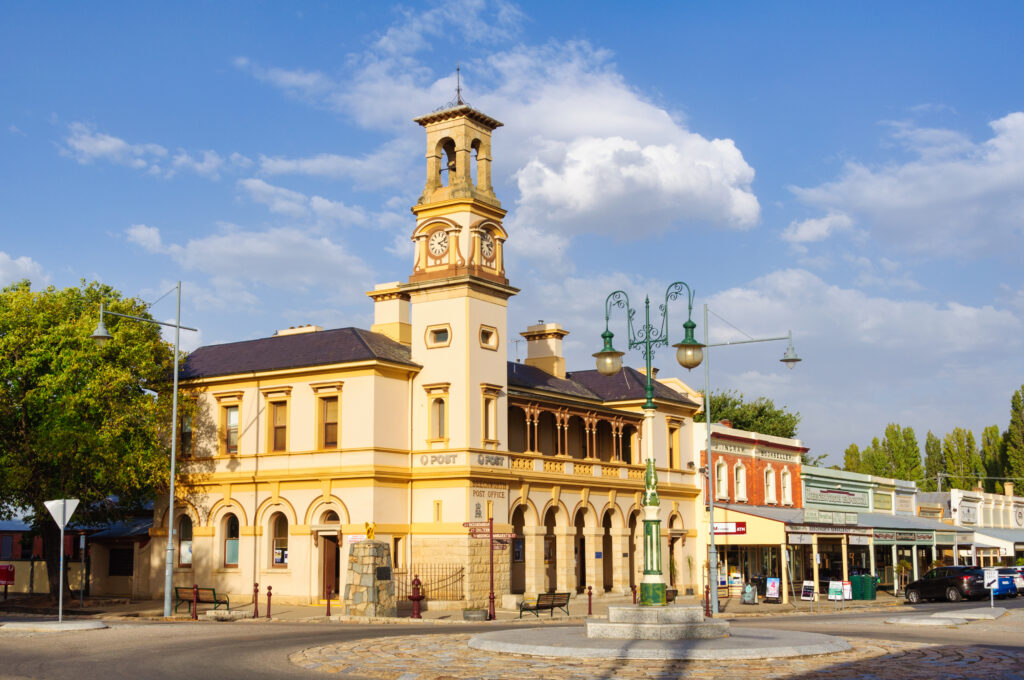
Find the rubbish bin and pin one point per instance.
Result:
(857, 587)
(872, 587)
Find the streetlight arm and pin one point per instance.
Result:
(139, 318)
(747, 342)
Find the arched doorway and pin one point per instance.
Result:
(330, 556)
(517, 574)
(581, 550)
(633, 539)
(550, 551)
(606, 551)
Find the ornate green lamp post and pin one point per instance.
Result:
(689, 354)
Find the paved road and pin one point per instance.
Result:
(255, 650)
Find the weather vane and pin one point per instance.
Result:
(458, 101)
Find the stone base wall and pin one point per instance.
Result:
(364, 594)
(473, 555)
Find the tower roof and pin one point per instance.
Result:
(459, 111)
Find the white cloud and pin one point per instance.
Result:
(278, 199)
(388, 165)
(17, 268)
(956, 197)
(208, 164)
(145, 236)
(86, 145)
(15, 130)
(474, 21)
(816, 229)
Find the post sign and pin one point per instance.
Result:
(61, 509)
(847, 590)
(6, 574)
(991, 578)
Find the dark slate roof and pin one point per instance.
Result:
(340, 345)
(14, 525)
(521, 375)
(627, 384)
(130, 528)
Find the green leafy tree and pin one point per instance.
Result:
(760, 415)
(852, 458)
(934, 462)
(77, 421)
(993, 457)
(1014, 437)
(901, 454)
(963, 462)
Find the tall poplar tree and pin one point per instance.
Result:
(902, 456)
(963, 463)
(934, 462)
(851, 458)
(1014, 438)
(993, 457)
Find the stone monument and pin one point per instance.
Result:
(370, 589)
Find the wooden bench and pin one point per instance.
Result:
(549, 601)
(183, 595)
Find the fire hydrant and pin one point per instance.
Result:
(416, 597)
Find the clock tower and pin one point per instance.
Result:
(457, 294)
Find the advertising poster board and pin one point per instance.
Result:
(772, 588)
(807, 591)
(835, 590)
(847, 590)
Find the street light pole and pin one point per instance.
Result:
(790, 359)
(101, 337)
(689, 353)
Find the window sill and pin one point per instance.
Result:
(276, 570)
(227, 570)
(183, 570)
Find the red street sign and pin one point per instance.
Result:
(476, 525)
(7, 575)
(499, 546)
(730, 528)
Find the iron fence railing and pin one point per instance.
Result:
(444, 581)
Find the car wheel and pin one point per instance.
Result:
(953, 594)
(913, 597)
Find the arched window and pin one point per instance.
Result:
(769, 486)
(279, 532)
(230, 524)
(741, 482)
(184, 541)
(437, 419)
(787, 488)
(721, 479)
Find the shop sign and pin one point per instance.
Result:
(1018, 518)
(835, 590)
(775, 454)
(968, 514)
(807, 591)
(491, 460)
(817, 529)
(860, 540)
(772, 588)
(883, 501)
(904, 536)
(726, 447)
(730, 528)
(857, 499)
(830, 517)
(905, 504)
(799, 539)
(942, 537)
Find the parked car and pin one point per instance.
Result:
(951, 583)
(1011, 583)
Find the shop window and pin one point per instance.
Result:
(184, 541)
(230, 541)
(185, 446)
(769, 486)
(489, 412)
(6, 546)
(787, 488)
(437, 418)
(279, 541)
(673, 446)
(121, 562)
(279, 426)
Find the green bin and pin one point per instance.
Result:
(857, 587)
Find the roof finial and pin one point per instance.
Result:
(458, 83)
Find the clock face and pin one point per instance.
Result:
(487, 246)
(438, 243)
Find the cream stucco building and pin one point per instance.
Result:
(419, 425)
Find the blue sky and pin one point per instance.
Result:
(853, 172)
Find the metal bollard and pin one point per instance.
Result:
(590, 601)
(416, 597)
(268, 601)
(255, 600)
(633, 588)
(195, 601)
(707, 601)
(327, 594)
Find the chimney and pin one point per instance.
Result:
(1008, 489)
(391, 312)
(297, 330)
(979, 488)
(654, 372)
(544, 348)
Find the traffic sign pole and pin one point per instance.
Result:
(61, 509)
(490, 530)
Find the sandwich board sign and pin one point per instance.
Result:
(61, 509)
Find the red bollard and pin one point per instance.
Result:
(255, 600)
(195, 602)
(590, 601)
(707, 601)
(416, 597)
(327, 588)
(633, 588)
(268, 601)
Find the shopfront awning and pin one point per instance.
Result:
(1003, 536)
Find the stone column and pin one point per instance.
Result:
(533, 544)
(913, 554)
(620, 559)
(871, 554)
(846, 559)
(593, 541)
(565, 566)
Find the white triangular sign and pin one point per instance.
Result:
(62, 509)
